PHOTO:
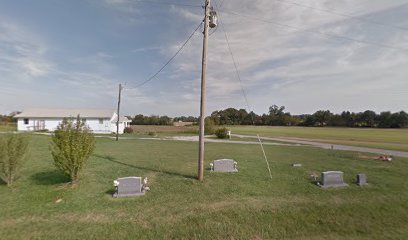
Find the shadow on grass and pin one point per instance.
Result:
(50, 178)
(112, 159)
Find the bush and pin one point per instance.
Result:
(72, 145)
(209, 126)
(13, 150)
(128, 130)
(222, 133)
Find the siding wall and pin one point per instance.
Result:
(51, 124)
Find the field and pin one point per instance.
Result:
(244, 205)
(6, 127)
(392, 139)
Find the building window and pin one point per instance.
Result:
(83, 120)
(26, 121)
(100, 121)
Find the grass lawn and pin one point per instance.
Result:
(8, 127)
(392, 139)
(243, 205)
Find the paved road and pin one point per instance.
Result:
(332, 146)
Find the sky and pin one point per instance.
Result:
(306, 55)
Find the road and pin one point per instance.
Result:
(332, 146)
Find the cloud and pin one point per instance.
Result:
(300, 63)
(22, 56)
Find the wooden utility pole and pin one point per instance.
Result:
(117, 121)
(202, 104)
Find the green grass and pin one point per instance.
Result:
(243, 205)
(392, 139)
(8, 127)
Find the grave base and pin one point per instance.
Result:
(116, 195)
(333, 185)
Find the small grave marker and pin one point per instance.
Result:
(332, 179)
(361, 179)
(296, 165)
(130, 186)
(224, 165)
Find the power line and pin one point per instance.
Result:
(166, 3)
(233, 60)
(168, 62)
(327, 35)
(342, 14)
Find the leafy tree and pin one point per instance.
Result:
(368, 118)
(322, 117)
(209, 126)
(72, 145)
(221, 132)
(13, 150)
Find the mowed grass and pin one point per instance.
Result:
(243, 205)
(8, 127)
(392, 139)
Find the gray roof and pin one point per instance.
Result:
(121, 119)
(65, 113)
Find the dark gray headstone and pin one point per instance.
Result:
(361, 179)
(332, 179)
(129, 186)
(225, 165)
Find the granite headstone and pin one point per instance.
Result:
(332, 179)
(361, 179)
(129, 186)
(224, 165)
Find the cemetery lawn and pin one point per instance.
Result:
(243, 205)
(391, 139)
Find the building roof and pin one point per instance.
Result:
(65, 113)
(121, 119)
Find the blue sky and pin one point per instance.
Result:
(306, 55)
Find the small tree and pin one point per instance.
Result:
(222, 133)
(72, 145)
(13, 150)
(209, 126)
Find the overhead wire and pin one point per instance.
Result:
(166, 3)
(327, 35)
(361, 19)
(242, 87)
(168, 62)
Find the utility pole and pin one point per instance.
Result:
(202, 104)
(117, 121)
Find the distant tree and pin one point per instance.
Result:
(368, 118)
(276, 110)
(72, 144)
(13, 151)
(322, 117)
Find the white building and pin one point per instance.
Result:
(98, 120)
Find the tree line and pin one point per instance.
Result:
(277, 116)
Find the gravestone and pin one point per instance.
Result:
(129, 186)
(224, 165)
(361, 179)
(296, 165)
(332, 179)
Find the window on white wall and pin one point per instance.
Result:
(100, 121)
(26, 121)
